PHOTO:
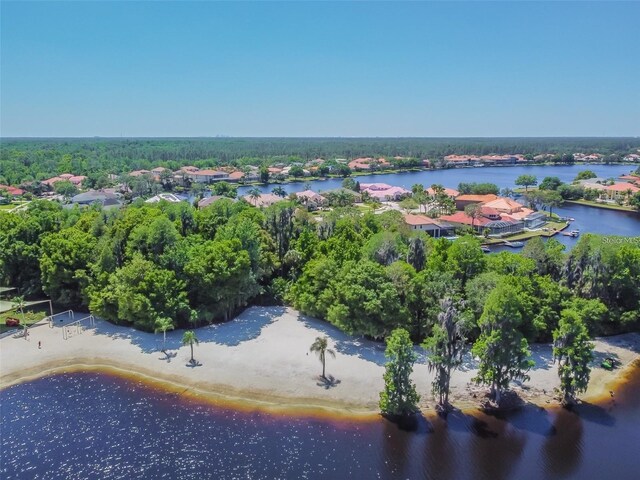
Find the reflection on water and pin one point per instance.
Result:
(561, 454)
(92, 425)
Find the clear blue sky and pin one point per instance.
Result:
(320, 69)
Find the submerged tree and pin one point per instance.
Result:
(445, 346)
(189, 338)
(399, 396)
(320, 348)
(573, 351)
(501, 347)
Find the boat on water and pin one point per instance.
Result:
(485, 249)
(572, 233)
(513, 244)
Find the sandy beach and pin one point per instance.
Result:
(261, 359)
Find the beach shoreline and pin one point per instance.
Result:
(260, 361)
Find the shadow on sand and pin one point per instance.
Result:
(327, 382)
(168, 356)
(360, 347)
(243, 328)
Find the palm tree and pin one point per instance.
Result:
(162, 325)
(473, 210)
(279, 191)
(19, 303)
(189, 338)
(320, 348)
(254, 194)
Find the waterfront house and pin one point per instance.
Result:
(464, 200)
(449, 192)
(207, 176)
(167, 197)
(235, 176)
(263, 200)
(435, 228)
(620, 191)
(311, 198)
(631, 178)
(384, 192)
(368, 163)
(497, 224)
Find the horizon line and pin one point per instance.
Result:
(222, 137)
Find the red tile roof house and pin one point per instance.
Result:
(497, 225)
(464, 200)
(138, 173)
(368, 163)
(264, 200)
(384, 192)
(235, 176)
(621, 190)
(449, 192)
(630, 178)
(311, 198)
(13, 191)
(462, 160)
(51, 181)
(423, 223)
(208, 176)
(77, 179)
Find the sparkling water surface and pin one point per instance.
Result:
(97, 426)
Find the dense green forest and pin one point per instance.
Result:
(365, 273)
(35, 159)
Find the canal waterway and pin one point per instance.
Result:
(97, 426)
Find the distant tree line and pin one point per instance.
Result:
(35, 159)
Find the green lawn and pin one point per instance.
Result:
(30, 316)
(609, 206)
(11, 205)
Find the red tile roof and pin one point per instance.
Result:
(411, 219)
(16, 192)
(463, 218)
(477, 198)
(450, 192)
(623, 187)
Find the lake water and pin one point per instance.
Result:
(96, 426)
(504, 177)
(587, 219)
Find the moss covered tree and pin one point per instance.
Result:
(399, 396)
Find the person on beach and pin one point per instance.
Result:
(39, 344)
